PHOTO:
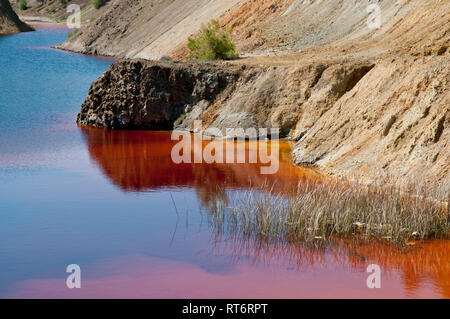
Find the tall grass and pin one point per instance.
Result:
(320, 211)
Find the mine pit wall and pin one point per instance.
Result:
(394, 123)
(389, 118)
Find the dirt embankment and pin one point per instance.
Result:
(9, 21)
(358, 100)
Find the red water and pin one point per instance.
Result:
(140, 160)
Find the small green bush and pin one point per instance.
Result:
(72, 33)
(98, 3)
(23, 5)
(213, 43)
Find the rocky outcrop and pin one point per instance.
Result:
(9, 21)
(149, 95)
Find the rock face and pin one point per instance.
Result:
(146, 95)
(140, 94)
(9, 21)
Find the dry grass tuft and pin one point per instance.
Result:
(320, 211)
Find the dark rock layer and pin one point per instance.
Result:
(150, 95)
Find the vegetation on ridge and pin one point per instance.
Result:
(213, 43)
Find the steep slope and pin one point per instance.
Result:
(156, 28)
(9, 21)
(245, 19)
(395, 121)
(145, 28)
(271, 27)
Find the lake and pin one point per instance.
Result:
(114, 203)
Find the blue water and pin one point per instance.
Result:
(40, 87)
(56, 207)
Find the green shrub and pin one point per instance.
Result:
(213, 43)
(98, 3)
(23, 5)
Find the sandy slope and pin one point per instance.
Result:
(395, 121)
(146, 28)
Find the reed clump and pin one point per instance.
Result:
(320, 211)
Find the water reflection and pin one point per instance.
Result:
(418, 267)
(141, 161)
(263, 271)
